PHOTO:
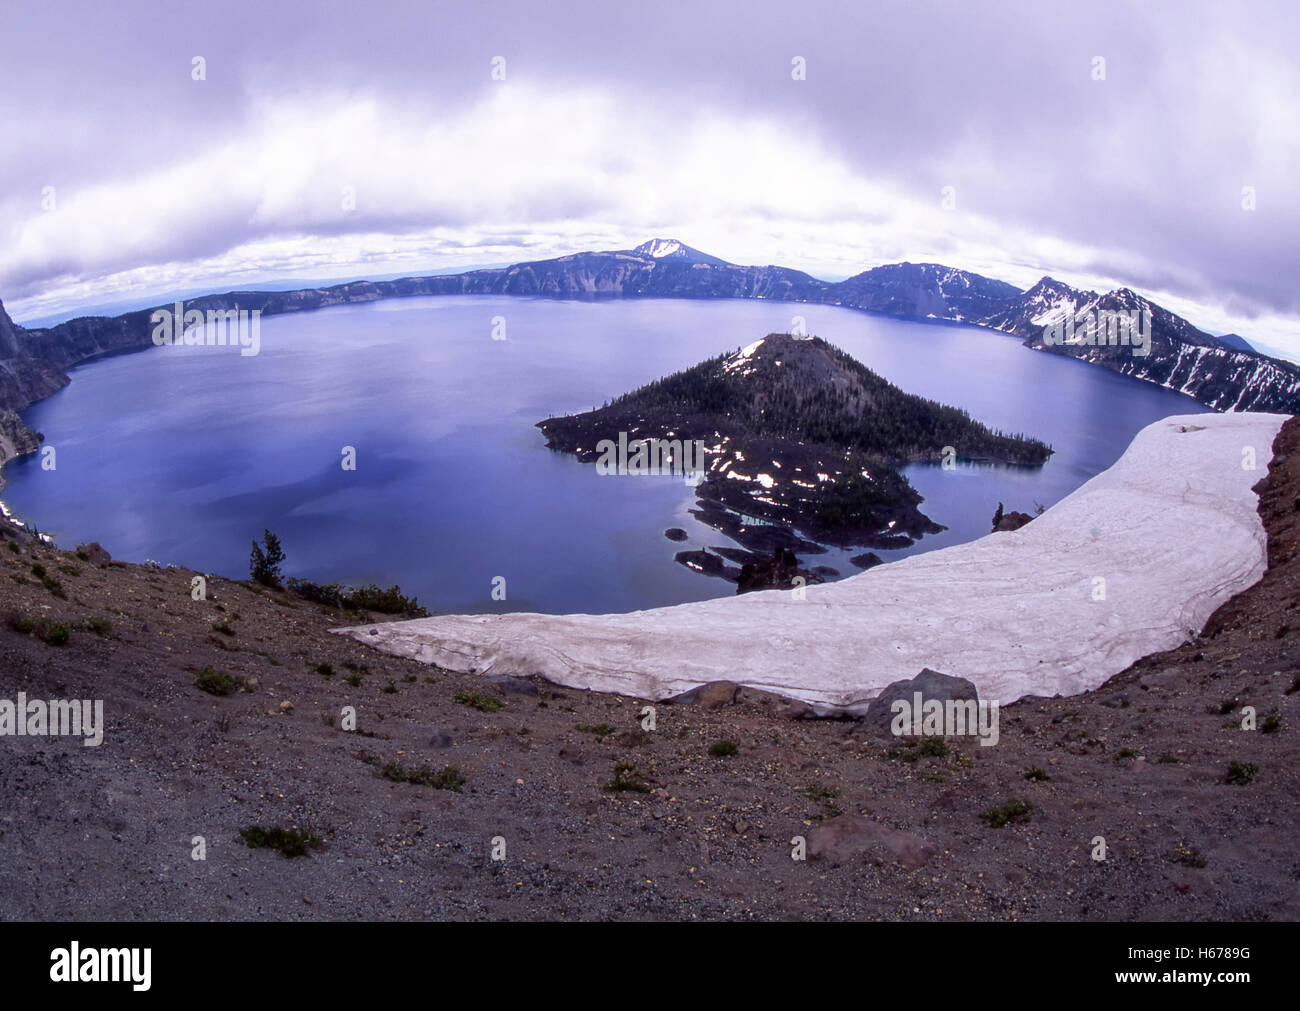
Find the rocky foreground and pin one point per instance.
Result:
(1198, 815)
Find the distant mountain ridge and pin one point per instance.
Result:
(1215, 371)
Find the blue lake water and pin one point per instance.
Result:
(184, 455)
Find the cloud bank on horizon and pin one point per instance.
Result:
(1154, 147)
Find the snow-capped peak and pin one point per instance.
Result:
(659, 248)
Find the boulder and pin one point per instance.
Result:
(94, 553)
(930, 683)
(713, 695)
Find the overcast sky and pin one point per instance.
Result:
(122, 176)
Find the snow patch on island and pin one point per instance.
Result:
(1132, 563)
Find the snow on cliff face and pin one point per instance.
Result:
(1132, 563)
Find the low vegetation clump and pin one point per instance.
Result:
(363, 598)
(1240, 773)
(1271, 723)
(483, 703)
(100, 626)
(828, 796)
(288, 842)
(722, 749)
(598, 729)
(627, 778)
(1188, 856)
(1036, 775)
(216, 682)
(926, 747)
(1013, 812)
(448, 778)
(52, 633)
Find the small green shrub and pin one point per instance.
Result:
(926, 747)
(364, 598)
(216, 682)
(448, 778)
(722, 749)
(483, 703)
(52, 633)
(627, 778)
(288, 842)
(1240, 773)
(1013, 812)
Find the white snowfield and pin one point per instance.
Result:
(1132, 563)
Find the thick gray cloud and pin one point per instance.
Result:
(623, 117)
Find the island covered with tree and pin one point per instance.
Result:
(795, 443)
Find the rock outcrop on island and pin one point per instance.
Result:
(780, 572)
(798, 444)
(1004, 521)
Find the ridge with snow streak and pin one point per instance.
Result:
(1214, 371)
